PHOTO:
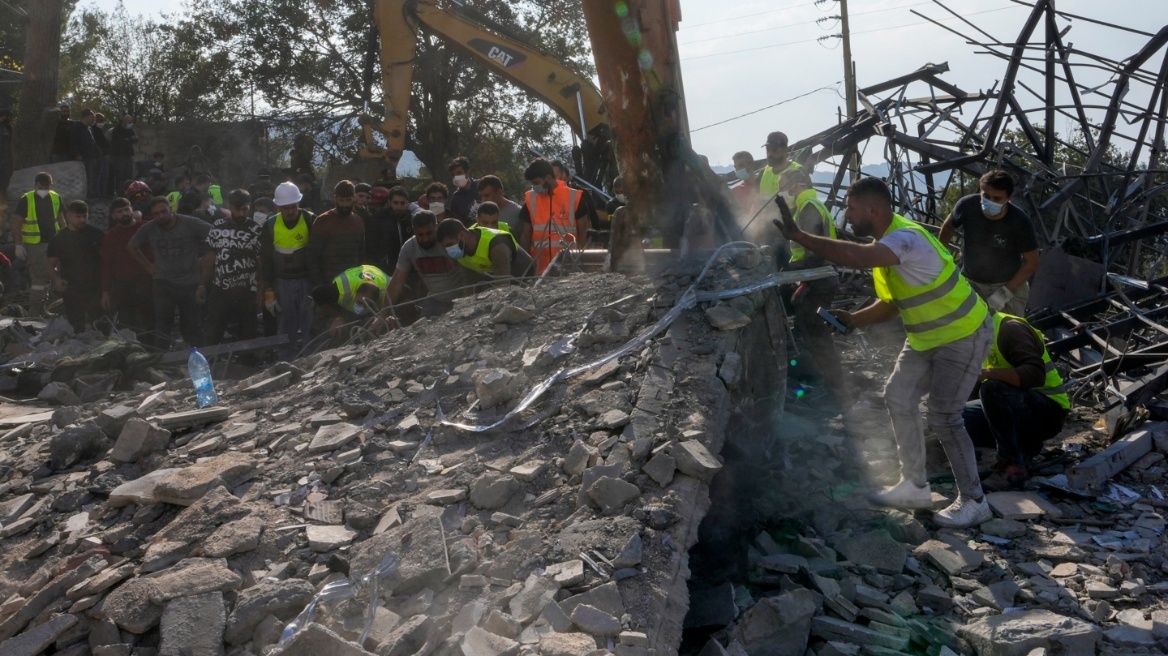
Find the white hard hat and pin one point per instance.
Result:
(287, 193)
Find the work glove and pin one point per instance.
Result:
(999, 299)
(270, 302)
(21, 254)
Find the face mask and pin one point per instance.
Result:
(460, 181)
(622, 198)
(437, 208)
(539, 189)
(741, 174)
(259, 217)
(42, 192)
(130, 126)
(989, 207)
(455, 251)
(359, 309)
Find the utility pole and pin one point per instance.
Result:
(845, 35)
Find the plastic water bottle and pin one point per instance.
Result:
(200, 372)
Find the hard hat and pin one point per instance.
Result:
(287, 193)
(379, 195)
(137, 187)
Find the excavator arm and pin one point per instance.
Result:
(572, 96)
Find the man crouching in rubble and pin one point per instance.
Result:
(1021, 401)
(948, 336)
(357, 294)
(483, 250)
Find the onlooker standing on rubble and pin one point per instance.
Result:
(949, 334)
(233, 283)
(179, 245)
(423, 254)
(182, 184)
(74, 262)
(483, 250)
(813, 218)
(122, 141)
(103, 162)
(554, 217)
(466, 190)
(1001, 252)
(1021, 401)
(126, 286)
(361, 193)
(387, 230)
(61, 149)
(39, 213)
(285, 271)
(195, 195)
(83, 148)
(491, 190)
(337, 242)
(262, 187)
(437, 197)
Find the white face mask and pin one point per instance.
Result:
(42, 192)
(990, 208)
(622, 198)
(460, 181)
(259, 217)
(437, 208)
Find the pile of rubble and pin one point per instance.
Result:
(330, 489)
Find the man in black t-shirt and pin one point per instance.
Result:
(74, 262)
(1000, 250)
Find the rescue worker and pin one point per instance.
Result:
(182, 185)
(357, 293)
(813, 217)
(284, 268)
(487, 216)
(484, 250)
(948, 336)
(40, 215)
(553, 216)
(778, 165)
(1021, 401)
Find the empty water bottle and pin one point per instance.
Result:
(200, 372)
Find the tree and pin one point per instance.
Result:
(38, 92)
(160, 73)
(313, 61)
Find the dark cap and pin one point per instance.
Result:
(264, 173)
(776, 139)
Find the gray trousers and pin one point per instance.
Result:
(295, 318)
(947, 374)
(1016, 306)
(38, 275)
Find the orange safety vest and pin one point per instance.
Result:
(552, 217)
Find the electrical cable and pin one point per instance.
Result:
(833, 87)
(854, 32)
(754, 15)
(810, 22)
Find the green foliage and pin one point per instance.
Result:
(160, 73)
(13, 24)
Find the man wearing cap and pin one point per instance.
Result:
(338, 237)
(262, 187)
(361, 193)
(40, 214)
(284, 279)
(74, 263)
(778, 163)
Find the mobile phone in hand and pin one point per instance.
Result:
(830, 318)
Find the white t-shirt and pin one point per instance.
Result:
(920, 263)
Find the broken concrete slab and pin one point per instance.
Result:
(595, 621)
(39, 638)
(694, 459)
(1093, 473)
(316, 640)
(191, 483)
(611, 495)
(1016, 634)
(333, 437)
(192, 418)
(235, 537)
(953, 559)
(1021, 505)
(323, 539)
(194, 625)
(138, 439)
(284, 599)
(480, 642)
(875, 549)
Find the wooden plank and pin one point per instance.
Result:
(11, 422)
(242, 346)
(1094, 472)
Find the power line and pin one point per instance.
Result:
(880, 29)
(781, 102)
(810, 22)
(759, 13)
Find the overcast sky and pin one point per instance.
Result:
(739, 56)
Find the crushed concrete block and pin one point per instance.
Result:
(140, 491)
(998, 596)
(323, 539)
(1017, 634)
(494, 387)
(191, 483)
(113, 419)
(730, 370)
(192, 576)
(1093, 473)
(480, 642)
(315, 640)
(577, 459)
(192, 418)
(408, 638)
(39, 638)
(612, 420)
(1021, 505)
(272, 384)
(611, 495)
(1003, 528)
(830, 628)
(568, 573)
(953, 559)
(76, 445)
(595, 621)
(724, 317)
(528, 472)
(502, 624)
(234, 538)
(194, 624)
(284, 599)
(58, 393)
(694, 459)
(333, 437)
(875, 549)
(778, 626)
(606, 597)
(630, 555)
(537, 592)
(138, 439)
(493, 490)
(445, 497)
(566, 644)
(511, 314)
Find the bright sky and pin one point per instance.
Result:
(739, 56)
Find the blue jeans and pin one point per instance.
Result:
(295, 318)
(1014, 421)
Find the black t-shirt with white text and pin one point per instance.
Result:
(993, 248)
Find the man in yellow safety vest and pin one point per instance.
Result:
(484, 250)
(285, 285)
(40, 216)
(1021, 401)
(948, 336)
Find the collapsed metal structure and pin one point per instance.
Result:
(1096, 192)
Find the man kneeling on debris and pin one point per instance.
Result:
(483, 250)
(1021, 401)
(355, 295)
(948, 336)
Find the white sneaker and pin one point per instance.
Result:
(904, 495)
(963, 513)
